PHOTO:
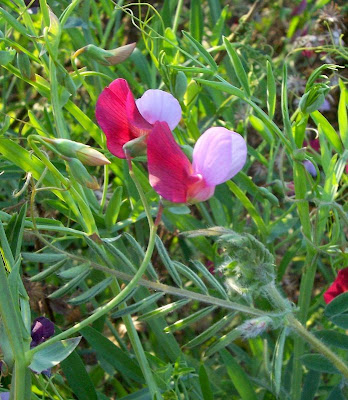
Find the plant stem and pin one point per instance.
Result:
(304, 334)
(10, 318)
(108, 306)
(177, 15)
(318, 345)
(307, 280)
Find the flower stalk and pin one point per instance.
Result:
(304, 334)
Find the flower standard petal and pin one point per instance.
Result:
(169, 169)
(157, 105)
(118, 116)
(218, 155)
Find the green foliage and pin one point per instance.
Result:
(206, 320)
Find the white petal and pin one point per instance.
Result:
(157, 105)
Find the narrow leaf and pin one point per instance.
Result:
(53, 354)
(238, 66)
(238, 376)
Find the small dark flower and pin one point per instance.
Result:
(339, 286)
(41, 330)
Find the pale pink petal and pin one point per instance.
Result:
(200, 191)
(118, 116)
(169, 169)
(157, 105)
(218, 155)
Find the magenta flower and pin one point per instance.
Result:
(218, 155)
(339, 286)
(123, 119)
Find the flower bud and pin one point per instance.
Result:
(86, 154)
(314, 98)
(310, 168)
(254, 327)
(135, 147)
(107, 57)
(299, 154)
(80, 173)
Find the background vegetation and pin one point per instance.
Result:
(262, 69)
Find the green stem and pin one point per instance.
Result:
(105, 187)
(22, 380)
(187, 294)
(307, 280)
(10, 318)
(139, 351)
(108, 306)
(141, 192)
(177, 15)
(318, 345)
(56, 108)
(304, 334)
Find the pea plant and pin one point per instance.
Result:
(173, 219)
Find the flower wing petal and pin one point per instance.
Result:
(157, 105)
(118, 116)
(169, 168)
(218, 155)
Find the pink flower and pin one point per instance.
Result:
(339, 286)
(218, 155)
(123, 119)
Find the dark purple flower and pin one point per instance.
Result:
(310, 168)
(298, 10)
(41, 330)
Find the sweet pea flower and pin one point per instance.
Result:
(124, 119)
(218, 155)
(339, 286)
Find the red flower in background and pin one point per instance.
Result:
(339, 286)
